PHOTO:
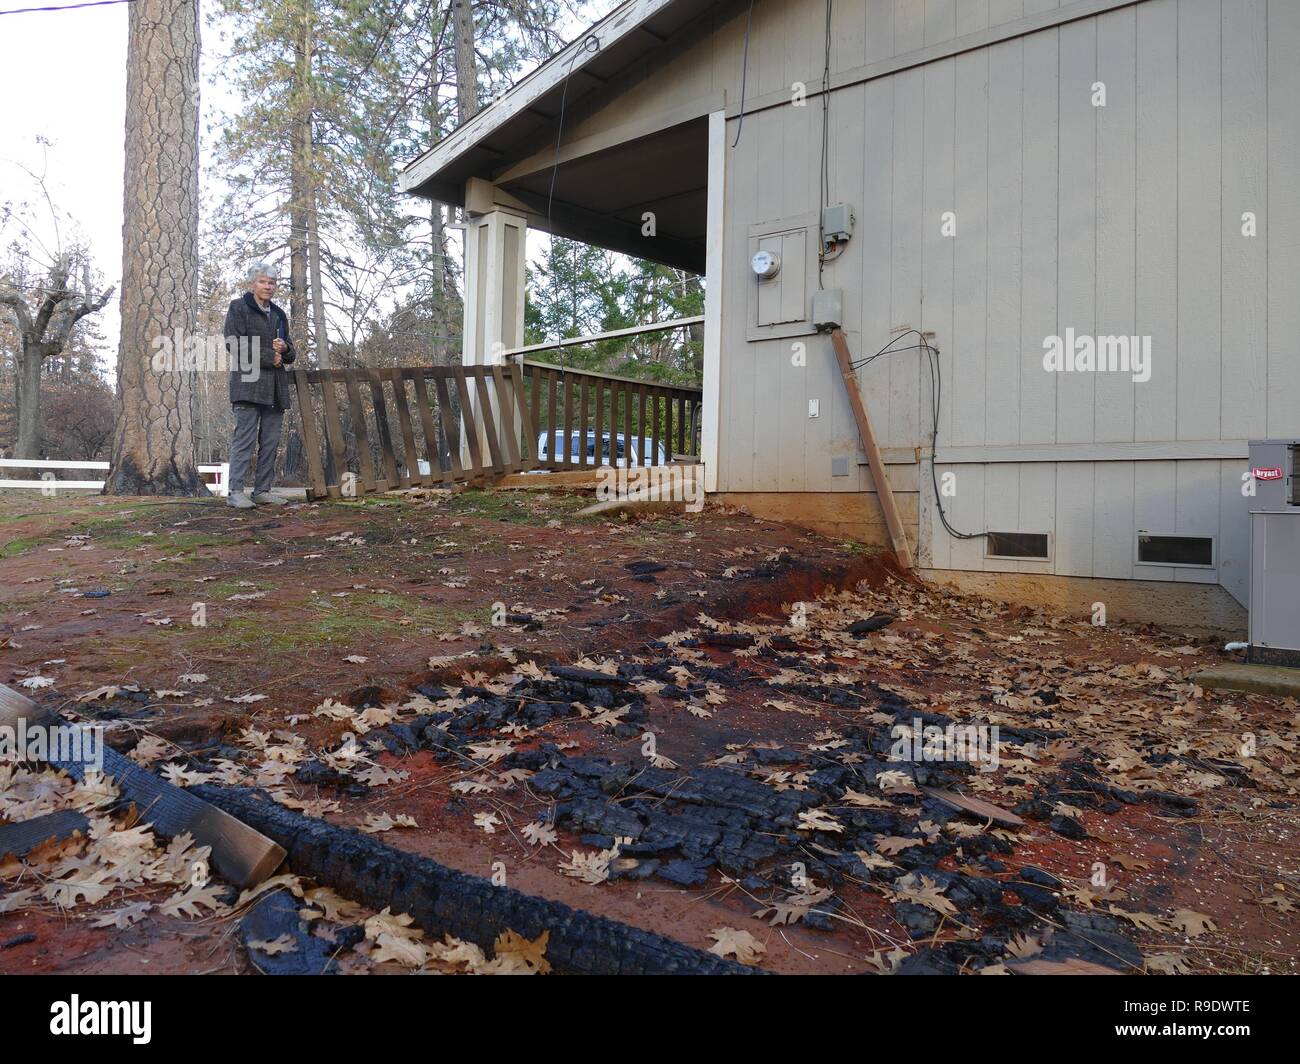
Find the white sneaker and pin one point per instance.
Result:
(239, 501)
(266, 498)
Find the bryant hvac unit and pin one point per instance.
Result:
(1275, 553)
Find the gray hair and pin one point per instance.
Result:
(260, 269)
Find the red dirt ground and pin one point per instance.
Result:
(422, 584)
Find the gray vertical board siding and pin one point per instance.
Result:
(1076, 275)
(907, 238)
(1040, 221)
(1005, 263)
(874, 234)
(1112, 520)
(1244, 369)
(1200, 225)
(1116, 307)
(1157, 216)
(1282, 219)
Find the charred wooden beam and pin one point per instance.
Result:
(444, 901)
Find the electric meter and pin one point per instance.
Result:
(765, 264)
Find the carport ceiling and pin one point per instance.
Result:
(667, 174)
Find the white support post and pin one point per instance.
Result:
(495, 251)
(711, 419)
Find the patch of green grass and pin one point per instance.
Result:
(221, 590)
(519, 507)
(853, 546)
(167, 541)
(329, 622)
(22, 543)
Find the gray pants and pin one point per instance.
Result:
(260, 425)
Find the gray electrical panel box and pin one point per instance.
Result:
(837, 223)
(1275, 553)
(827, 308)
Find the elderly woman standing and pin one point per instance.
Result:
(259, 386)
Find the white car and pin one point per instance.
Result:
(622, 446)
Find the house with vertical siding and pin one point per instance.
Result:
(1061, 239)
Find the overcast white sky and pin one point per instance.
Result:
(63, 77)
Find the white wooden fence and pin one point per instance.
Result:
(217, 477)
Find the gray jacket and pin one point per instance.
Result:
(265, 383)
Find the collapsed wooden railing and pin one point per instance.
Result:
(461, 423)
(442, 425)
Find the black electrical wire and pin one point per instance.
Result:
(936, 388)
(590, 43)
(64, 7)
(744, 72)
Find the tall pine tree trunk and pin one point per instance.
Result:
(462, 13)
(153, 442)
(301, 187)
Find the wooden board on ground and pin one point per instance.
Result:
(981, 809)
(18, 840)
(239, 854)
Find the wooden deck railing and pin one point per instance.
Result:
(430, 425)
(576, 410)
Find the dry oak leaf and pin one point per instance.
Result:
(404, 951)
(286, 879)
(1192, 923)
(489, 822)
(923, 891)
(89, 887)
(193, 901)
(516, 955)
(1023, 946)
(1168, 964)
(818, 820)
(124, 917)
(885, 963)
(730, 942)
(894, 780)
(378, 776)
(19, 899)
(1146, 921)
(454, 951)
(284, 944)
(383, 822)
(1279, 902)
(873, 860)
(591, 868)
(869, 801)
(332, 906)
(896, 844)
(794, 908)
(1129, 864)
(539, 834)
(108, 691)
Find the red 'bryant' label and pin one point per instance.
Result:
(1272, 473)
